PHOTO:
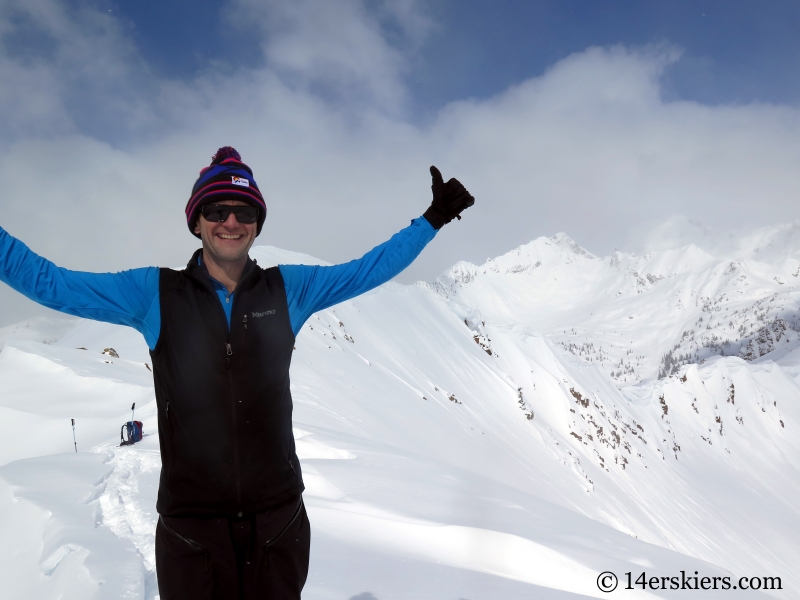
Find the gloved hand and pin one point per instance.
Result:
(449, 199)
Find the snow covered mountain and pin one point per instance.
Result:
(510, 431)
(641, 317)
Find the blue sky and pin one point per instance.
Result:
(733, 51)
(603, 120)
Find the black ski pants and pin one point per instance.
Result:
(262, 556)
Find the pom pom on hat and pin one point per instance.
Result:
(226, 178)
(223, 153)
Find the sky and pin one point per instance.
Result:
(601, 119)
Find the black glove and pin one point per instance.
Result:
(449, 199)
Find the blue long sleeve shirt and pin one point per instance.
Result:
(132, 297)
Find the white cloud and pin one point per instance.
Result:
(588, 148)
(68, 69)
(338, 49)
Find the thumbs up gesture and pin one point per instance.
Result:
(449, 200)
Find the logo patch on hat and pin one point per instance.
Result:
(240, 181)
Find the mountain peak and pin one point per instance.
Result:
(563, 240)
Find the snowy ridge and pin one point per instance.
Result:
(640, 317)
(40, 329)
(771, 245)
(469, 438)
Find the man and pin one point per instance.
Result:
(221, 332)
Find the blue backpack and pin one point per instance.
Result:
(133, 430)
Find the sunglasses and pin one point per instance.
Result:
(219, 213)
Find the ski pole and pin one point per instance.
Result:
(74, 439)
(133, 406)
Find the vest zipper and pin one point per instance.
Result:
(228, 355)
(244, 321)
(236, 472)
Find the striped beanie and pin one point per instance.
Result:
(226, 178)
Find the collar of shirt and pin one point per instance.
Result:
(225, 298)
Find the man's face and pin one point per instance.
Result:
(228, 241)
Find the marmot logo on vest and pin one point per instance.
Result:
(239, 181)
(263, 314)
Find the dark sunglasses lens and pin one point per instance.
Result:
(219, 213)
(246, 214)
(214, 213)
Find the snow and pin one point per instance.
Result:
(40, 329)
(500, 433)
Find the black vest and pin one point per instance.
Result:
(224, 406)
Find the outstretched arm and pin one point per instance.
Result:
(125, 298)
(313, 288)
